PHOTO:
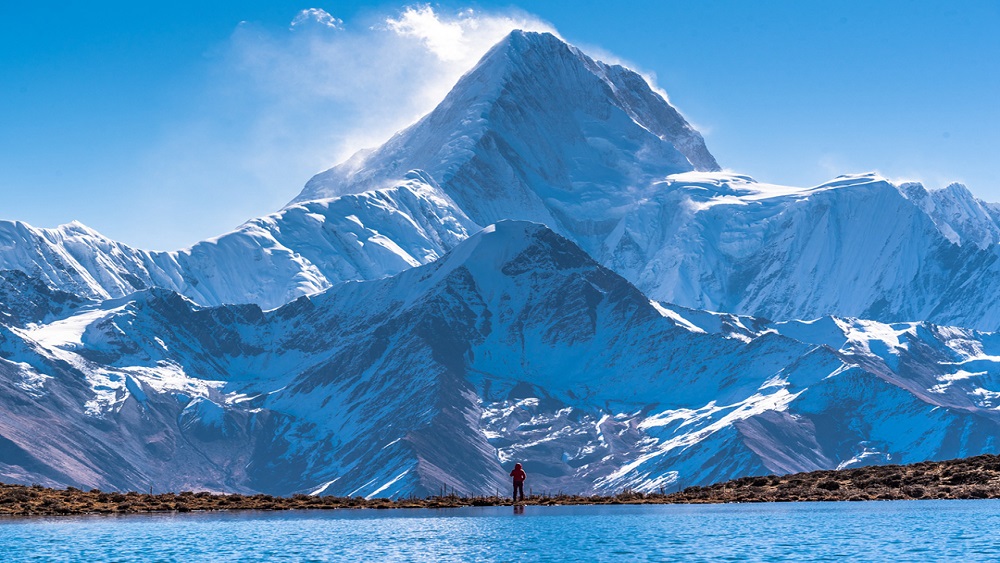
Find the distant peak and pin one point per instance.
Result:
(957, 189)
(520, 39)
(508, 231)
(75, 226)
(913, 190)
(514, 228)
(518, 47)
(871, 175)
(500, 245)
(539, 108)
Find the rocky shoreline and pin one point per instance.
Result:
(970, 478)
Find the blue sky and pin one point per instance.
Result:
(160, 124)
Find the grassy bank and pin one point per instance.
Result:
(971, 478)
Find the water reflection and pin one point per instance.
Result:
(879, 531)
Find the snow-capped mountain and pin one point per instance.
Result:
(268, 261)
(606, 130)
(959, 216)
(539, 131)
(373, 338)
(856, 246)
(514, 346)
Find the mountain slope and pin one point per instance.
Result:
(539, 131)
(268, 261)
(24, 300)
(515, 345)
(536, 131)
(856, 246)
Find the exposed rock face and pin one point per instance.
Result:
(514, 346)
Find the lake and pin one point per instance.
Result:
(888, 531)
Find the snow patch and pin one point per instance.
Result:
(674, 316)
(387, 485)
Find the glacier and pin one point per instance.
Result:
(550, 267)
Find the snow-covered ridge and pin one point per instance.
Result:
(268, 261)
(856, 246)
(960, 216)
(602, 159)
(515, 345)
(538, 131)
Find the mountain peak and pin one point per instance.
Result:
(547, 62)
(519, 40)
(958, 191)
(536, 131)
(962, 217)
(77, 227)
(518, 49)
(513, 248)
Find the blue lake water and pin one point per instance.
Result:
(870, 531)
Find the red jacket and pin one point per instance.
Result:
(518, 474)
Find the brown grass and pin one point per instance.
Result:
(971, 478)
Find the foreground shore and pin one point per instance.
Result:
(970, 478)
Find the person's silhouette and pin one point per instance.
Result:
(519, 476)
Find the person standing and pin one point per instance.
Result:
(519, 476)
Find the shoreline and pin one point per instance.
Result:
(970, 478)
(8, 517)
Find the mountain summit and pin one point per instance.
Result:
(587, 345)
(515, 345)
(537, 131)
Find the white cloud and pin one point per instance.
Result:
(366, 81)
(443, 38)
(460, 36)
(316, 16)
(280, 104)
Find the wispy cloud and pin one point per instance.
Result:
(281, 103)
(462, 36)
(364, 79)
(442, 37)
(316, 16)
